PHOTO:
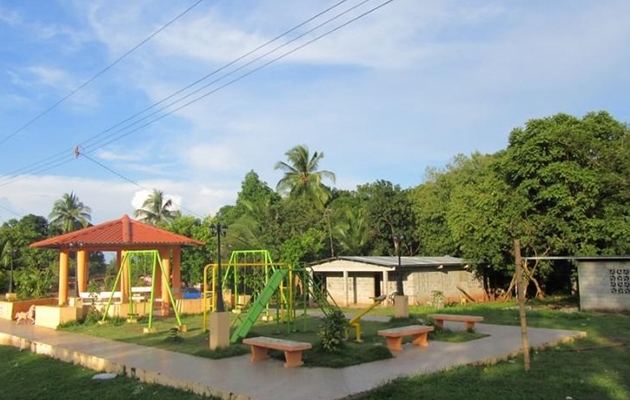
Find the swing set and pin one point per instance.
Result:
(124, 276)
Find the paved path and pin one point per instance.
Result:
(238, 378)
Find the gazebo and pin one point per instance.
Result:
(119, 235)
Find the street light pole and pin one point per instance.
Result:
(219, 230)
(399, 283)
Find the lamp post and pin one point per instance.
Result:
(399, 283)
(219, 230)
(12, 251)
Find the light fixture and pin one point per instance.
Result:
(440, 266)
(466, 266)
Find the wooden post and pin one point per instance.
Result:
(520, 288)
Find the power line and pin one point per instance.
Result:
(56, 157)
(243, 75)
(98, 74)
(80, 153)
(89, 149)
(224, 85)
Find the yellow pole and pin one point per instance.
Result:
(63, 277)
(81, 271)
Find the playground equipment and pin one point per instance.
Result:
(125, 274)
(355, 321)
(258, 286)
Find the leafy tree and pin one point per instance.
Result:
(389, 212)
(156, 209)
(194, 258)
(479, 214)
(301, 176)
(17, 235)
(69, 213)
(570, 179)
(303, 248)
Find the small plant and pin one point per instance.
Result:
(332, 331)
(437, 299)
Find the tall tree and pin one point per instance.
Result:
(69, 213)
(156, 209)
(388, 212)
(301, 176)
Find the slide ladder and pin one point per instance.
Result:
(259, 305)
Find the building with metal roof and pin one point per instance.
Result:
(355, 280)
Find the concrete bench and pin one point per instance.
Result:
(394, 336)
(468, 319)
(292, 350)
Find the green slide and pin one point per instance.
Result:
(259, 305)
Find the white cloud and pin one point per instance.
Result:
(110, 199)
(141, 196)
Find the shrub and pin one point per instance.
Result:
(332, 331)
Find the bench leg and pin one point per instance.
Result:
(293, 359)
(259, 353)
(470, 325)
(439, 322)
(394, 343)
(420, 339)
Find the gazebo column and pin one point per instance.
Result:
(177, 271)
(125, 284)
(166, 277)
(82, 271)
(63, 276)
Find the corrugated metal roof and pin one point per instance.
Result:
(392, 261)
(123, 233)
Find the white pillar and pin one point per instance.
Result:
(385, 289)
(345, 287)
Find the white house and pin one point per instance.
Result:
(355, 280)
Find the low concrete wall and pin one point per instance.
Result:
(8, 309)
(53, 316)
(604, 285)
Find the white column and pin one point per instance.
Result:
(385, 289)
(345, 287)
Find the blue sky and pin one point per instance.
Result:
(405, 88)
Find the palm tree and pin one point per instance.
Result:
(156, 209)
(352, 233)
(301, 177)
(69, 213)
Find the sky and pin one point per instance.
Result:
(405, 87)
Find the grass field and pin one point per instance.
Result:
(25, 375)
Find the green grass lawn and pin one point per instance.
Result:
(25, 375)
(305, 329)
(596, 367)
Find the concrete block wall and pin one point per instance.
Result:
(418, 285)
(445, 280)
(604, 285)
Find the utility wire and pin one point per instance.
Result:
(93, 147)
(236, 79)
(79, 153)
(243, 75)
(35, 166)
(98, 74)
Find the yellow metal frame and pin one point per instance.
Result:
(355, 321)
(212, 293)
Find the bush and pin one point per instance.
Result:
(332, 331)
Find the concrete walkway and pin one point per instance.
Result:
(238, 378)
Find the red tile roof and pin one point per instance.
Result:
(123, 233)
